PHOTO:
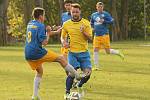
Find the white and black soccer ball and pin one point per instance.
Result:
(74, 96)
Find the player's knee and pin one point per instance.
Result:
(39, 71)
(39, 74)
(62, 61)
(96, 49)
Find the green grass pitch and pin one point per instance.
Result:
(117, 80)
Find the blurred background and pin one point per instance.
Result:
(132, 18)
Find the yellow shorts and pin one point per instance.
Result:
(49, 57)
(64, 51)
(101, 42)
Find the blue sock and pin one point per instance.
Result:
(83, 80)
(69, 82)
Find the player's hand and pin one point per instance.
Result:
(59, 28)
(82, 28)
(65, 44)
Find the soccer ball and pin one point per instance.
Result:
(74, 96)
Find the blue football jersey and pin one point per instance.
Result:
(65, 16)
(34, 38)
(101, 28)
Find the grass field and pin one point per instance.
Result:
(117, 80)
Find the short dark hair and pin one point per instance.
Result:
(100, 3)
(37, 12)
(76, 5)
(68, 1)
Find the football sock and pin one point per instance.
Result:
(112, 51)
(72, 71)
(83, 80)
(36, 85)
(96, 59)
(69, 82)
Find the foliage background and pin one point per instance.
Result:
(19, 14)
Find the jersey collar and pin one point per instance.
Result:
(76, 21)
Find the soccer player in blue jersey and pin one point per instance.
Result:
(79, 31)
(99, 23)
(35, 54)
(66, 15)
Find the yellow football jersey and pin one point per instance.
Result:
(78, 42)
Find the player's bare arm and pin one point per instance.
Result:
(48, 30)
(51, 33)
(57, 31)
(64, 42)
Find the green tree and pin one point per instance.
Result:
(128, 15)
(16, 20)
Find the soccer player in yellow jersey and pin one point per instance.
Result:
(36, 55)
(64, 17)
(79, 31)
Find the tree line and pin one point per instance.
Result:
(128, 14)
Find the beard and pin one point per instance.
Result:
(76, 18)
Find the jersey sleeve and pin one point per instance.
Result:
(62, 19)
(63, 32)
(108, 19)
(92, 21)
(41, 33)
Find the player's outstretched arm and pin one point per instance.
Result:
(48, 32)
(59, 28)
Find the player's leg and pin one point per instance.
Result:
(85, 63)
(107, 46)
(53, 57)
(96, 47)
(72, 61)
(68, 67)
(86, 66)
(109, 50)
(87, 72)
(37, 80)
(64, 52)
(69, 80)
(115, 52)
(36, 65)
(96, 57)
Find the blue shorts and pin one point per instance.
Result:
(80, 60)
